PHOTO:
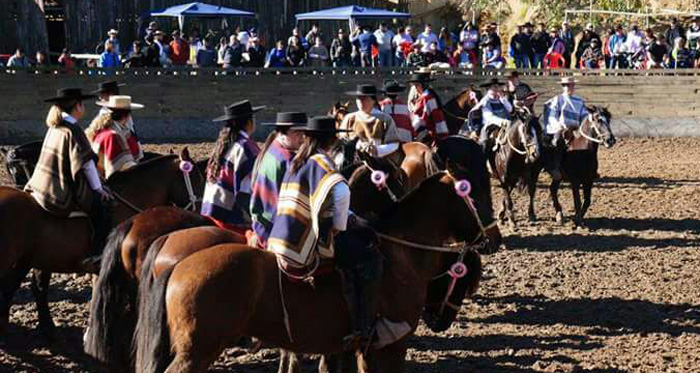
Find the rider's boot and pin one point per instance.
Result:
(101, 222)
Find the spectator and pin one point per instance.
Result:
(540, 45)
(692, 36)
(19, 59)
(435, 56)
(151, 30)
(469, 39)
(136, 57)
(681, 54)
(606, 47)
(152, 53)
(158, 41)
(584, 42)
(112, 37)
(492, 56)
(41, 60)
(233, 53)
(675, 31)
(66, 60)
(295, 54)
(312, 35)
(568, 37)
(444, 40)
(384, 38)
(206, 56)
(301, 41)
(277, 57)
(558, 45)
(415, 58)
(402, 45)
(340, 50)
(521, 48)
(366, 41)
(427, 37)
(109, 59)
(462, 58)
(657, 52)
(593, 55)
(179, 50)
(220, 49)
(492, 33)
(196, 44)
(634, 41)
(318, 54)
(256, 53)
(243, 37)
(618, 49)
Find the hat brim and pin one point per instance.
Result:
(100, 90)
(226, 117)
(283, 124)
(316, 130)
(569, 82)
(79, 98)
(420, 80)
(489, 85)
(360, 94)
(133, 106)
(392, 91)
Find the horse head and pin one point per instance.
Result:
(599, 121)
(526, 142)
(376, 185)
(338, 112)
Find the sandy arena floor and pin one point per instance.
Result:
(621, 295)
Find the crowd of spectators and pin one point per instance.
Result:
(467, 47)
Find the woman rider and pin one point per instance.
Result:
(227, 192)
(271, 165)
(312, 223)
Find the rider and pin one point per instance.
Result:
(65, 179)
(227, 193)
(270, 166)
(375, 131)
(397, 109)
(495, 111)
(519, 91)
(316, 223)
(563, 112)
(116, 145)
(426, 107)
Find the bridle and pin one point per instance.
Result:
(380, 179)
(530, 147)
(595, 127)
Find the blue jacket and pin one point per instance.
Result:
(108, 60)
(366, 40)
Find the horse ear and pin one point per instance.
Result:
(336, 105)
(347, 104)
(185, 154)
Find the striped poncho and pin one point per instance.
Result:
(266, 187)
(428, 116)
(304, 213)
(228, 197)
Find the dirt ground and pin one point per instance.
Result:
(620, 295)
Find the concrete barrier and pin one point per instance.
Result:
(180, 108)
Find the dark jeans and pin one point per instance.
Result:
(522, 61)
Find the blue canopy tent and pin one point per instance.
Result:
(200, 10)
(350, 13)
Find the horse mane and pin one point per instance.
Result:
(121, 176)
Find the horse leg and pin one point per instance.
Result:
(390, 359)
(531, 189)
(554, 194)
(576, 191)
(504, 207)
(511, 210)
(587, 188)
(8, 287)
(40, 289)
(289, 362)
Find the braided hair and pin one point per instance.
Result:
(227, 136)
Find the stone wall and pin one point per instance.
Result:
(179, 107)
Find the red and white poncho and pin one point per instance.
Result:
(428, 116)
(398, 110)
(118, 149)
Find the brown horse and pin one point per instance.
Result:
(515, 162)
(211, 298)
(457, 109)
(580, 161)
(32, 238)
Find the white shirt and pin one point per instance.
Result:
(89, 167)
(384, 39)
(633, 42)
(340, 197)
(426, 40)
(243, 38)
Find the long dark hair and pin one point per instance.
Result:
(312, 144)
(270, 138)
(227, 136)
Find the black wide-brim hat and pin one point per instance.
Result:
(321, 124)
(392, 86)
(491, 83)
(111, 86)
(364, 90)
(66, 94)
(420, 78)
(289, 120)
(237, 110)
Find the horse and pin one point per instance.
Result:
(32, 238)
(211, 298)
(458, 108)
(580, 161)
(514, 163)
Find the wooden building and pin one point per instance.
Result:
(81, 24)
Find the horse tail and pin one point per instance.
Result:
(472, 260)
(152, 336)
(431, 164)
(113, 296)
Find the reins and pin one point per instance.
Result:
(595, 128)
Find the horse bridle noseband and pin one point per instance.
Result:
(598, 139)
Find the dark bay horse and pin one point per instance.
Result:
(211, 298)
(457, 109)
(515, 162)
(32, 238)
(580, 161)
